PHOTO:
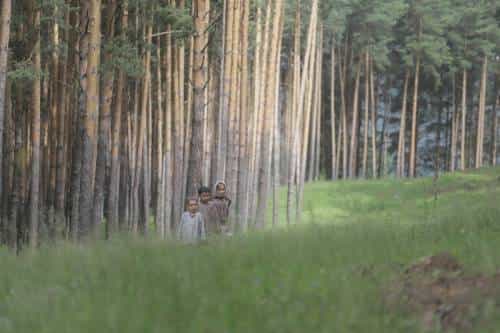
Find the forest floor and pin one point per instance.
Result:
(361, 263)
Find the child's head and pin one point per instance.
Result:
(205, 194)
(220, 189)
(192, 205)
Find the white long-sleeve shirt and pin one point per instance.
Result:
(192, 228)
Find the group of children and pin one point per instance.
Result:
(205, 215)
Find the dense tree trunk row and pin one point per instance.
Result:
(113, 112)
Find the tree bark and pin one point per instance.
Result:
(332, 115)
(481, 115)
(373, 122)
(35, 134)
(6, 11)
(464, 120)
(114, 182)
(354, 130)
(367, 113)
(414, 127)
(295, 117)
(243, 193)
(90, 121)
(270, 101)
(400, 168)
(104, 120)
(195, 173)
(494, 136)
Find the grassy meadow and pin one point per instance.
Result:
(327, 275)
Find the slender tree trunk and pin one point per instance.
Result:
(345, 136)
(319, 112)
(494, 135)
(464, 119)
(414, 127)
(454, 129)
(231, 174)
(334, 169)
(104, 121)
(270, 101)
(373, 122)
(35, 134)
(244, 161)
(306, 86)
(6, 12)
(114, 183)
(90, 117)
(168, 163)
(276, 131)
(295, 117)
(367, 113)
(200, 13)
(226, 87)
(481, 115)
(400, 169)
(354, 131)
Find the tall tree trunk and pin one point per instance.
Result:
(201, 13)
(354, 130)
(141, 220)
(295, 117)
(168, 163)
(114, 182)
(231, 174)
(464, 120)
(367, 113)
(35, 133)
(226, 87)
(400, 168)
(481, 115)
(454, 129)
(373, 122)
(104, 120)
(270, 101)
(306, 88)
(276, 130)
(90, 121)
(319, 93)
(494, 135)
(334, 169)
(414, 127)
(345, 135)
(6, 12)
(243, 190)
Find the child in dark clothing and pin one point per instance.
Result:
(207, 209)
(222, 204)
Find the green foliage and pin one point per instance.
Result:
(424, 31)
(23, 71)
(328, 278)
(124, 56)
(179, 19)
(476, 33)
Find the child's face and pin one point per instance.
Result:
(205, 197)
(192, 206)
(220, 190)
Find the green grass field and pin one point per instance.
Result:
(328, 276)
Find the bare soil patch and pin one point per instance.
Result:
(441, 295)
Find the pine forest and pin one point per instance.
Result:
(114, 112)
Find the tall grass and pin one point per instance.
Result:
(327, 277)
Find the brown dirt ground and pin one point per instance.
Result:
(441, 295)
